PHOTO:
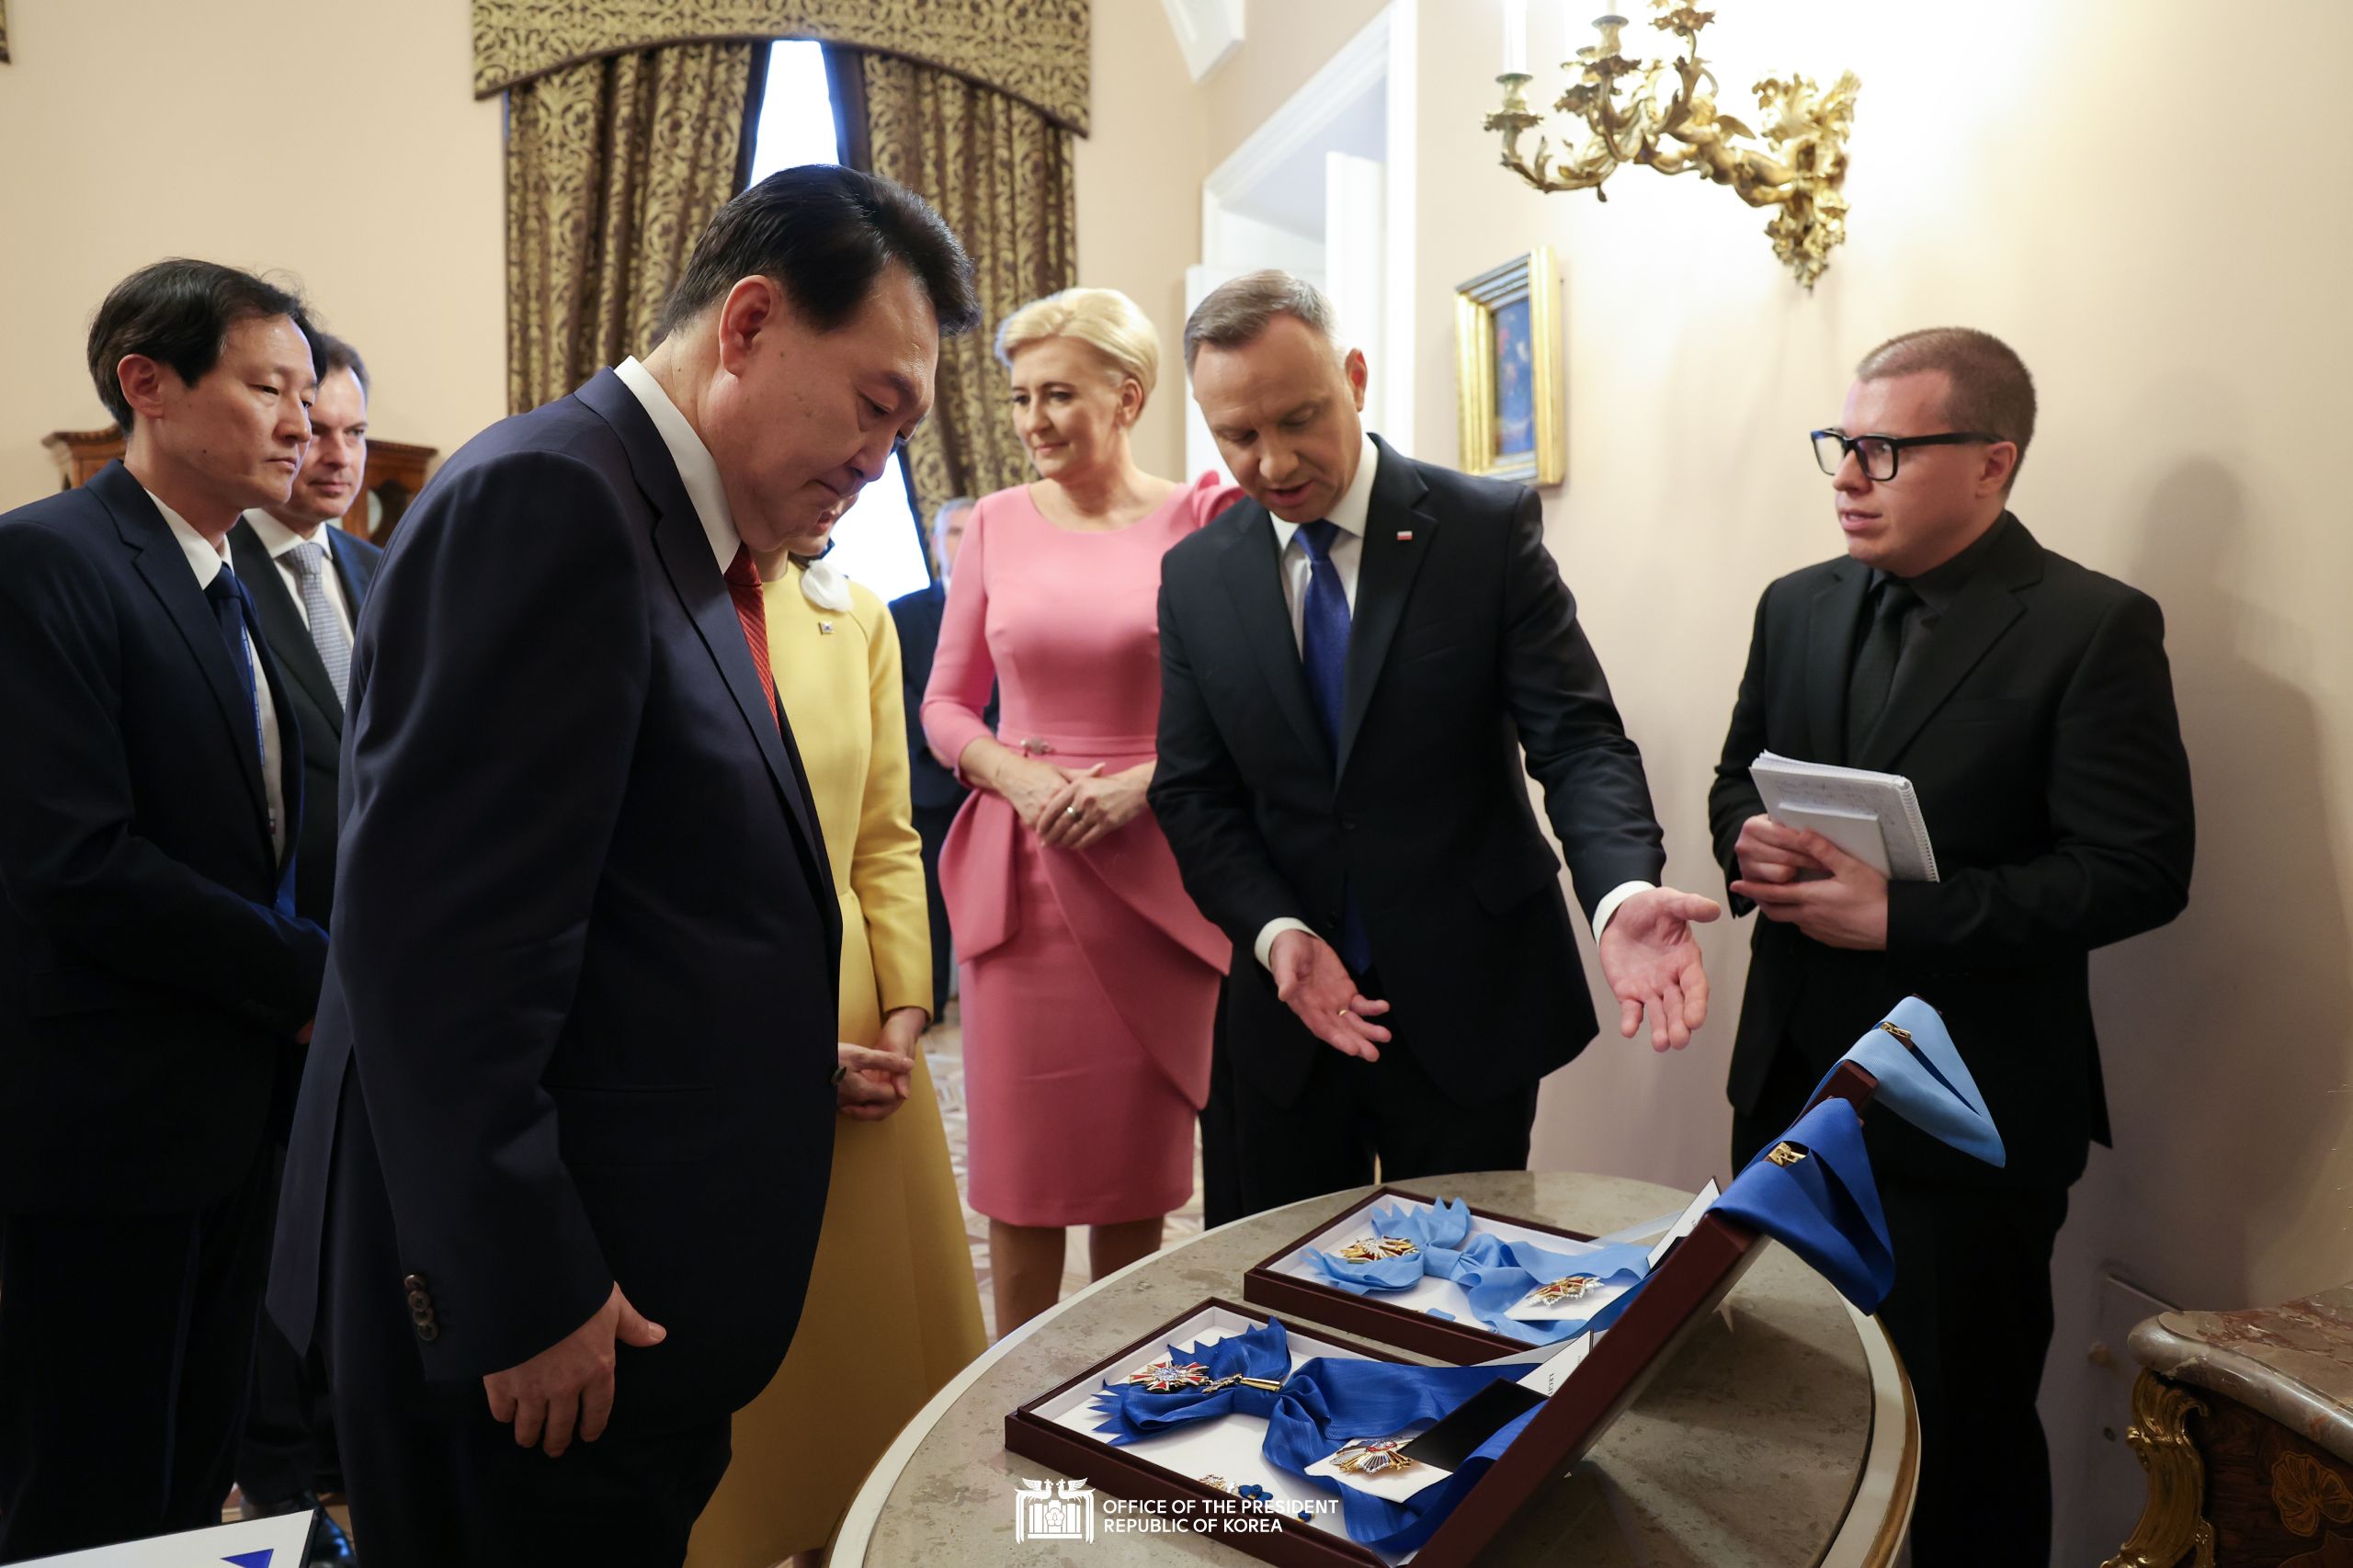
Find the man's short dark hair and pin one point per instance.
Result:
(825, 233)
(1991, 388)
(1238, 312)
(334, 354)
(178, 313)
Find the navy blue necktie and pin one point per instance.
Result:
(1324, 654)
(235, 612)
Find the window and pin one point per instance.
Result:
(879, 541)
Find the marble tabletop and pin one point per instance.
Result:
(1757, 1447)
(2293, 1362)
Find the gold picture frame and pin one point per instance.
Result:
(1508, 378)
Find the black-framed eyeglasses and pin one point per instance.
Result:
(1878, 454)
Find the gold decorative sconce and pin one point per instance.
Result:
(1798, 172)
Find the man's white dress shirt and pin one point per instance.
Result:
(208, 561)
(697, 467)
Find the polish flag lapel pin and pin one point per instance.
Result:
(1405, 536)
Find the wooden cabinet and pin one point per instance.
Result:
(396, 473)
(2243, 1422)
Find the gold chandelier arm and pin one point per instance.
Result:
(1801, 175)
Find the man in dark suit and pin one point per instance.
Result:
(2030, 702)
(308, 582)
(936, 792)
(1352, 663)
(564, 1137)
(309, 598)
(155, 980)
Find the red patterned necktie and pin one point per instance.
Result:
(744, 587)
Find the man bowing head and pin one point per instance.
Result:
(566, 1129)
(1354, 661)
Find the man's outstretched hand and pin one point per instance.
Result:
(1651, 960)
(1314, 983)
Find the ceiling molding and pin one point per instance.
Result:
(1208, 31)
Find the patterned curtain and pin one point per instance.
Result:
(1000, 173)
(1034, 49)
(613, 167)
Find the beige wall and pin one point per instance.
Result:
(1140, 197)
(339, 142)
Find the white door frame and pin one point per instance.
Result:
(1382, 53)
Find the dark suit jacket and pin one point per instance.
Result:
(314, 700)
(152, 971)
(586, 937)
(2036, 722)
(1464, 649)
(929, 783)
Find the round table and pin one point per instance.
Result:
(1783, 1437)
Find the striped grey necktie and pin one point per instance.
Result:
(327, 629)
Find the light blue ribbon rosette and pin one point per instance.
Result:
(1436, 1232)
(1928, 1084)
(1496, 1287)
(1494, 1275)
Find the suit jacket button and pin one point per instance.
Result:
(427, 1331)
(418, 1301)
(413, 1282)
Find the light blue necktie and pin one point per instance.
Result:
(327, 628)
(1324, 654)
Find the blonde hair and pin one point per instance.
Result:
(1104, 319)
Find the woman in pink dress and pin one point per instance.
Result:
(1090, 982)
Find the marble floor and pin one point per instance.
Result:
(944, 1051)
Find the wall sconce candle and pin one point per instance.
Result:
(1799, 172)
(1515, 37)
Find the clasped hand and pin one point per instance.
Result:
(1073, 808)
(874, 1082)
(1799, 878)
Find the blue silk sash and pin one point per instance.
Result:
(1327, 1403)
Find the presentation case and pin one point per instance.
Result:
(1591, 1382)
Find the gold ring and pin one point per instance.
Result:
(1345, 1013)
(1071, 811)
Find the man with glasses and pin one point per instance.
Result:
(2029, 700)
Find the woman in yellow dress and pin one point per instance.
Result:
(892, 1310)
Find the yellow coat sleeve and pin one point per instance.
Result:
(886, 867)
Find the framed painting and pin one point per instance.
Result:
(1508, 381)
